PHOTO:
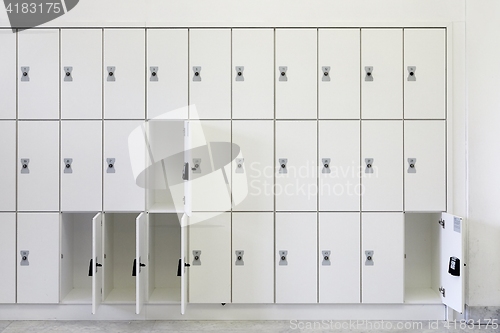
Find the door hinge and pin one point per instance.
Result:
(104, 255)
(441, 223)
(184, 200)
(442, 291)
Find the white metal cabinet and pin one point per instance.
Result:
(382, 257)
(339, 183)
(424, 73)
(210, 73)
(338, 77)
(167, 73)
(38, 275)
(81, 172)
(81, 76)
(253, 74)
(381, 73)
(253, 261)
(124, 73)
(8, 73)
(382, 165)
(296, 258)
(8, 257)
(8, 166)
(425, 165)
(296, 73)
(38, 166)
(38, 78)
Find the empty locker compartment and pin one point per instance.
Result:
(8, 257)
(8, 166)
(8, 73)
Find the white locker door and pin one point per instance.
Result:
(296, 183)
(296, 258)
(253, 261)
(8, 73)
(184, 262)
(8, 257)
(8, 166)
(167, 73)
(38, 258)
(141, 270)
(38, 78)
(338, 77)
(338, 259)
(38, 165)
(121, 193)
(382, 165)
(81, 172)
(296, 73)
(210, 73)
(253, 73)
(210, 259)
(81, 76)
(382, 257)
(381, 73)
(425, 58)
(339, 183)
(124, 73)
(252, 168)
(97, 261)
(425, 165)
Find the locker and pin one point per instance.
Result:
(124, 74)
(425, 165)
(253, 74)
(8, 74)
(38, 166)
(382, 257)
(38, 74)
(8, 166)
(338, 77)
(296, 75)
(141, 261)
(296, 258)
(210, 259)
(167, 73)
(382, 165)
(121, 193)
(97, 260)
(338, 258)
(252, 258)
(425, 58)
(81, 172)
(38, 258)
(8, 257)
(381, 73)
(210, 73)
(339, 183)
(296, 183)
(252, 168)
(81, 76)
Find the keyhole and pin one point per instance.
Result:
(25, 166)
(110, 165)
(196, 258)
(325, 73)
(196, 74)
(283, 73)
(239, 165)
(25, 258)
(411, 73)
(68, 166)
(368, 165)
(240, 73)
(25, 74)
(369, 74)
(412, 165)
(68, 73)
(110, 74)
(154, 73)
(326, 258)
(326, 165)
(283, 166)
(239, 258)
(283, 258)
(196, 166)
(369, 257)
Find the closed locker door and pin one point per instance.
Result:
(296, 258)
(381, 73)
(382, 257)
(382, 165)
(81, 171)
(338, 259)
(8, 73)
(38, 258)
(296, 183)
(167, 73)
(425, 165)
(253, 260)
(338, 77)
(124, 73)
(339, 182)
(38, 166)
(38, 78)
(121, 193)
(424, 73)
(81, 76)
(296, 73)
(210, 73)
(252, 168)
(8, 166)
(210, 259)
(8, 257)
(253, 73)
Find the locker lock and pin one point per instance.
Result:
(134, 267)
(196, 165)
(25, 74)
(369, 258)
(111, 73)
(111, 165)
(283, 70)
(154, 74)
(239, 165)
(197, 70)
(283, 162)
(97, 265)
(196, 257)
(239, 258)
(24, 258)
(24, 165)
(369, 71)
(67, 76)
(369, 165)
(326, 73)
(326, 258)
(411, 168)
(67, 165)
(239, 73)
(283, 261)
(326, 165)
(411, 73)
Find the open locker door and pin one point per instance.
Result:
(182, 262)
(141, 256)
(96, 262)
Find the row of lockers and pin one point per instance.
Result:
(226, 73)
